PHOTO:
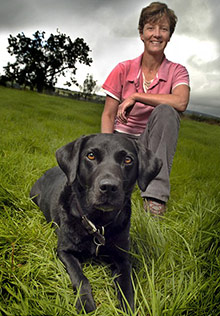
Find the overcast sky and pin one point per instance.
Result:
(109, 27)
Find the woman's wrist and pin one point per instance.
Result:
(141, 97)
(134, 97)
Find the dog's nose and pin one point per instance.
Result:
(108, 186)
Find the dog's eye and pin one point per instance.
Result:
(91, 156)
(128, 160)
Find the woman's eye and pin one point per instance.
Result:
(91, 156)
(128, 160)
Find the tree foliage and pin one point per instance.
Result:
(39, 62)
(89, 85)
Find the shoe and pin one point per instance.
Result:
(154, 207)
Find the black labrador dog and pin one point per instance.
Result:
(88, 197)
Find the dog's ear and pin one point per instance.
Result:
(149, 166)
(68, 158)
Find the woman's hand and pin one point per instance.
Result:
(124, 108)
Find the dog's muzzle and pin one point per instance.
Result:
(107, 194)
(109, 187)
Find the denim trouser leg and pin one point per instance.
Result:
(160, 136)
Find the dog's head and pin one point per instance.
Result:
(107, 166)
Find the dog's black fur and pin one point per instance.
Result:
(96, 175)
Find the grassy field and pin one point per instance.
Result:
(176, 261)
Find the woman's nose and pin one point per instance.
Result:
(157, 31)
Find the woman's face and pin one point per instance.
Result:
(156, 36)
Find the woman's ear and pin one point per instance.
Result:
(141, 35)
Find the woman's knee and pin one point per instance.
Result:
(166, 113)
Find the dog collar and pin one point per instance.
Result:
(98, 234)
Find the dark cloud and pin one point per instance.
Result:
(29, 13)
(214, 28)
(198, 19)
(17, 14)
(14, 13)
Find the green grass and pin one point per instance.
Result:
(176, 261)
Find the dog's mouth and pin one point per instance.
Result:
(105, 207)
(105, 202)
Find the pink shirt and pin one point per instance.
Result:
(126, 78)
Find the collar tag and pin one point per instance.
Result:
(99, 238)
(88, 225)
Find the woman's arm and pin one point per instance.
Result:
(178, 99)
(109, 115)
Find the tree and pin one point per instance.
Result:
(89, 85)
(40, 62)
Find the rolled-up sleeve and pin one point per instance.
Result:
(180, 77)
(114, 83)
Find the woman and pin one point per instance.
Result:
(144, 96)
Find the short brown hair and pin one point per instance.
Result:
(154, 12)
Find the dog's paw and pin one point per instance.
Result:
(85, 302)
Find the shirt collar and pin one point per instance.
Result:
(163, 71)
(135, 69)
